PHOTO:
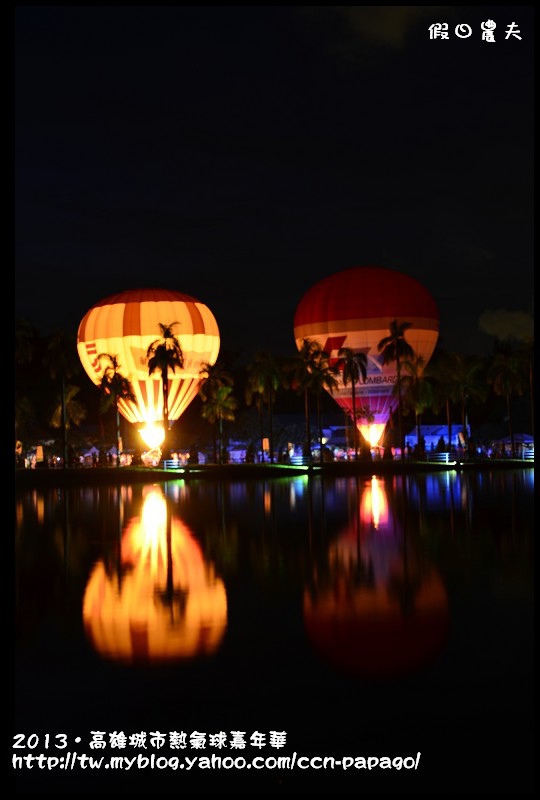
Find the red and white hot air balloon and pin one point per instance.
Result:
(124, 325)
(354, 308)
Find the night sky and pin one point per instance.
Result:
(241, 154)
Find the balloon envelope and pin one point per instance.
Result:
(125, 324)
(354, 309)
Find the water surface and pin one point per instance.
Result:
(356, 616)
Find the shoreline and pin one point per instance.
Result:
(35, 478)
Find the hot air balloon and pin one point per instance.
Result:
(124, 325)
(354, 309)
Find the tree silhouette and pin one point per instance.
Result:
(265, 377)
(164, 354)
(301, 371)
(68, 411)
(417, 391)
(465, 382)
(353, 366)
(395, 348)
(217, 408)
(213, 378)
(62, 362)
(323, 377)
(114, 387)
(508, 374)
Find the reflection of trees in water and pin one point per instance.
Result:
(112, 553)
(406, 578)
(247, 533)
(216, 530)
(55, 548)
(474, 516)
(404, 586)
(263, 530)
(174, 598)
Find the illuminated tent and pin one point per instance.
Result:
(125, 324)
(354, 308)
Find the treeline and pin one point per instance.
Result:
(57, 406)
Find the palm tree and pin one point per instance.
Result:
(217, 408)
(63, 363)
(465, 382)
(253, 395)
(68, 411)
(299, 371)
(213, 377)
(441, 373)
(508, 374)
(323, 377)
(417, 390)
(265, 377)
(114, 387)
(165, 354)
(395, 348)
(353, 366)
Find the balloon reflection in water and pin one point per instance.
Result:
(165, 603)
(375, 609)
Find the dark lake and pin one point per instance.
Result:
(351, 617)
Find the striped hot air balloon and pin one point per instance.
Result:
(124, 325)
(354, 309)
